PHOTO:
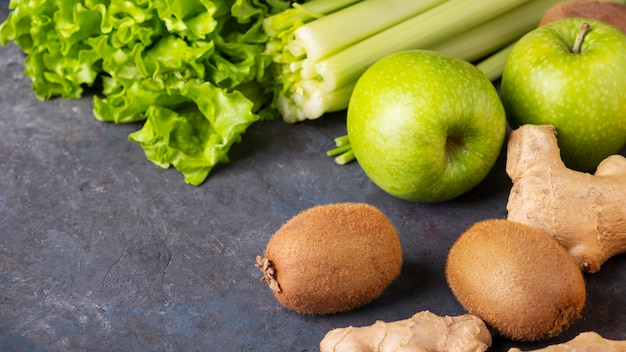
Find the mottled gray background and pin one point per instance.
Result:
(100, 250)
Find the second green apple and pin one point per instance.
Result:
(574, 78)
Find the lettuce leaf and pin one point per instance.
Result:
(194, 71)
(199, 133)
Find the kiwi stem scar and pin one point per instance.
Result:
(268, 273)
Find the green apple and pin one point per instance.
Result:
(572, 77)
(424, 126)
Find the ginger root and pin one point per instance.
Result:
(585, 213)
(585, 342)
(422, 332)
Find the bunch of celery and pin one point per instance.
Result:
(319, 52)
(195, 71)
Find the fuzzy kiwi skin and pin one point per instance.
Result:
(613, 13)
(519, 280)
(334, 258)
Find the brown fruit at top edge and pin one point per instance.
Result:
(610, 12)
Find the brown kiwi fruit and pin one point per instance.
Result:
(332, 258)
(610, 12)
(519, 280)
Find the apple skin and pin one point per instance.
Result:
(425, 127)
(582, 95)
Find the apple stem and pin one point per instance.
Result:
(584, 28)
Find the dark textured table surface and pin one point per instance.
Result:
(100, 250)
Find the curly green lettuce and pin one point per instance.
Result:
(194, 71)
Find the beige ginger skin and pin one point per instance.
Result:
(423, 332)
(585, 213)
(589, 341)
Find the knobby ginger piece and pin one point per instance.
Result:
(585, 213)
(423, 332)
(585, 342)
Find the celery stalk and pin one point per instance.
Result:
(280, 27)
(345, 158)
(424, 30)
(495, 33)
(320, 38)
(493, 66)
(339, 150)
(296, 49)
(302, 13)
(342, 141)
